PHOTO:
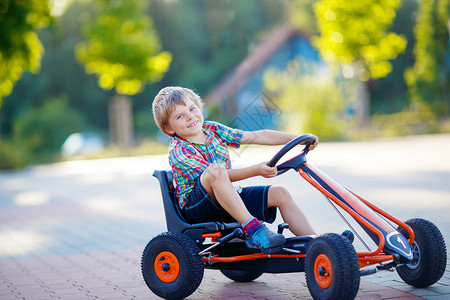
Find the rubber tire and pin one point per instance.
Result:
(190, 265)
(433, 254)
(344, 263)
(241, 276)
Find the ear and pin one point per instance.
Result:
(169, 130)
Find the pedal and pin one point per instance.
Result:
(282, 227)
(273, 250)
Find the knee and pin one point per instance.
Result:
(278, 196)
(215, 172)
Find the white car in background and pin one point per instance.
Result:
(82, 144)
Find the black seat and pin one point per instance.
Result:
(174, 219)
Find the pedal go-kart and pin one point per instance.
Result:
(173, 262)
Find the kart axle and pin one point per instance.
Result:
(368, 272)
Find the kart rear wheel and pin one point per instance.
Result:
(241, 276)
(171, 266)
(332, 268)
(429, 254)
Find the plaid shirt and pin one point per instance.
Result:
(190, 159)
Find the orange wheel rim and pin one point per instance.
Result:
(323, 271)
(167, 267)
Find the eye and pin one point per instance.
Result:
(179, 117)
(193, 108)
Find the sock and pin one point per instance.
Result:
(247, 221)
(251, 225)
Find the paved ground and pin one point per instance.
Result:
(76, 230)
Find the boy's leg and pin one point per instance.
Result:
(298, 223)
(216, 182)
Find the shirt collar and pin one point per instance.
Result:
(207, 131)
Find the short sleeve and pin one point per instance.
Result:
(186, 161)
(231, 136)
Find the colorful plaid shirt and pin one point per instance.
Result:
(190, 159)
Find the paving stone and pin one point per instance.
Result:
(440, 297)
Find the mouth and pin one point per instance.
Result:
(193, 124)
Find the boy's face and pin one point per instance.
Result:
(186, 120)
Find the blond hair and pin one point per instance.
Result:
(165, 102)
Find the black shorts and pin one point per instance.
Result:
(201, 208)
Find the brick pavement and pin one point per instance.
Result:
(116, 275)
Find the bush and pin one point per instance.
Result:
(12, 155)
(43, 130)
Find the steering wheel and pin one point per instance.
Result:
(295, 162)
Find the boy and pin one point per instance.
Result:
(198, 155)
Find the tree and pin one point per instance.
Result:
(209, 38)
(301, 15)
(122, 48)
(389, 94)
(357, 32)
(45, 135)
(60, 75)
(206, 39)
(20, 47)
(429, 78)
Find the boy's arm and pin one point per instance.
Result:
(271, 137)
(259, 169)
(263, 137)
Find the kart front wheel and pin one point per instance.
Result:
(332, 268)
(171, 266)
(429, 254)
(241, 276)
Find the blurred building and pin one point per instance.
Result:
(240, 94)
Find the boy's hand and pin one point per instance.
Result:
(314, 145)
(265, 171)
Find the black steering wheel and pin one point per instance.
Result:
(295, 162)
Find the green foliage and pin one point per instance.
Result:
(389, 94)
(206, 38)
(357, 32)
(122, 47)
(60, 74)
(406, 122)
(429, 78)
(144, 124)
(210, 38)
(44, 129)
(13, 155)
(309, 101)
(20, 47)
(301, 15)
